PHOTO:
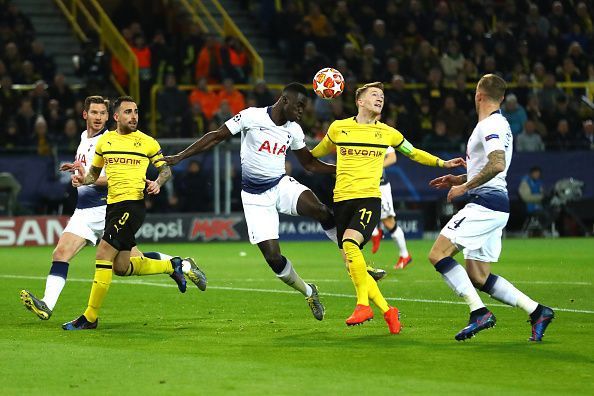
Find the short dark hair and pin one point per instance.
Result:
(97, 100)
(118, 102)
(365, 87)
(295, 88)
(492, 86)
(535, 169)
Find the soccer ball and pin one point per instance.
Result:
(328, 83)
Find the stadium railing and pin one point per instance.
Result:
(90, 14)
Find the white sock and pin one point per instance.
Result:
(291, 278)
(457, 279)
(507, 293)
(375, 231)
(398, 237)
(331, 234)
(53, 289)
(186, 266)
(165, 256)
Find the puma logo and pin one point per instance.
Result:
(344, 132)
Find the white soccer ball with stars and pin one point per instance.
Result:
(328, 83)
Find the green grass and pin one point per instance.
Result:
(250, 334)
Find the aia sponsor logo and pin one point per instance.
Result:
(276, 149)
(214, 228)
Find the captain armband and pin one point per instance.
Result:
(406, 148)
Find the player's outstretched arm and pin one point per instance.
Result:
(425, 158)
(447, 181)
(494, 165)
(205, 143)
(311, 163)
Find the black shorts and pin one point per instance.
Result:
(122, 220)
(361, 214)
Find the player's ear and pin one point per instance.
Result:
(85, 115)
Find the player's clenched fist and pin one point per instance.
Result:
(455, 162)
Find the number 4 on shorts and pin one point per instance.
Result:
(457, 224)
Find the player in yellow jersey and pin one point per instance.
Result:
(87, 223)
(125, 153)
(361, 144)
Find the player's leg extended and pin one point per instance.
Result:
(125, 265)
(309, 205)
(68, 246)
(284, 270)
(502, 290)
(189, 266)
(441, 256)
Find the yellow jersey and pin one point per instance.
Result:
(125, 158)
(360, 156)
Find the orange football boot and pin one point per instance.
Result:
(362, 313)
(392, 318)
(403, 262)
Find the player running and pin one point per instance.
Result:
(86, 225)
(267, 134)
(125, 153)
(476, 229)
(388, 217)
(362, 142)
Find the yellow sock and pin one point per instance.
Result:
(375, 294)
(101, 282)
(146, 266)
(357, 269)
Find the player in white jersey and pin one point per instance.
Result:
(476, 229)
(388, 217)
(267, 134)
(86, 225)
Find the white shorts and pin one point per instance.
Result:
(477, 231)
(261, 210)
(387, 202)
(88, 223)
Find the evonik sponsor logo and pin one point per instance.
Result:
(122, 160)
(361, 152)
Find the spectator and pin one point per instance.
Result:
(529, 139)
(70, 138)
(380, 39)
(25, 120)
(41, 137)
(262, 94)
(455, 120)
(193, 189)
(61, 91)
(438, 140)
(452, 61)
(194, 123)
(28, 75)
(209, 63)
(172, 105)
(234, 98)
(43, 63)
(562, 139)
(235, 60)
(586, 139)
(312, 62)
(205, 98)
(223, 113)
(163, 60)
(514, 113)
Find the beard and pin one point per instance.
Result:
(126, 129)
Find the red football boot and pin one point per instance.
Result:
(362, 313)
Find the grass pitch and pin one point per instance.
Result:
(251, 334)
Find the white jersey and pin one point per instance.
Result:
(492, 133)
(89, 196)
(264, 147)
